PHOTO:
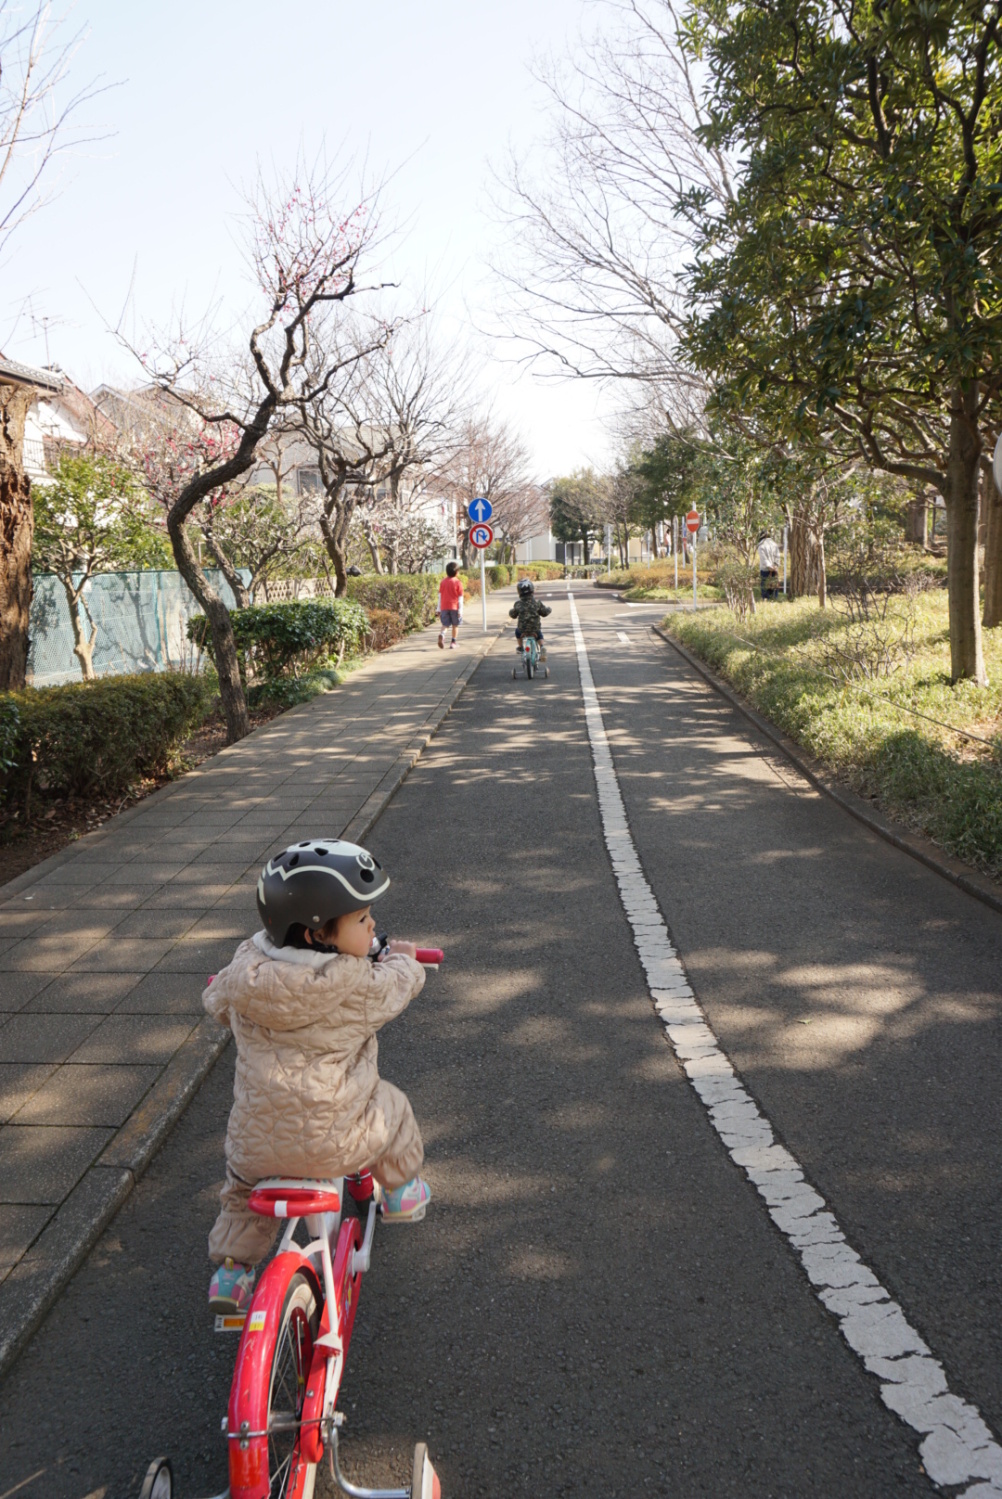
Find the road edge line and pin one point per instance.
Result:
(35, 1283)
(912, 844)
(956, 1445)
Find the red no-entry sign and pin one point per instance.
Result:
(693, 522)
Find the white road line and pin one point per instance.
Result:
(623, 637)
(957, 1447)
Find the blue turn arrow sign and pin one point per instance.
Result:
(480, 510)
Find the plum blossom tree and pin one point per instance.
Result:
(305, 251)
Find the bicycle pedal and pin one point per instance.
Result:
(230, 1321)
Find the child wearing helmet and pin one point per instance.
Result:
(529, 612)
(304, 1002)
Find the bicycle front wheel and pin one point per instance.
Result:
(290, 1475)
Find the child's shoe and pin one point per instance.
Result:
(231, 1288)
(453, 644)
(441, 640)
(407, 1204)
(542, 653)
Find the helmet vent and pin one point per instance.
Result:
(366, 875)
(293, 861)
(320, 851)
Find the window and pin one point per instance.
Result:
(308, 480)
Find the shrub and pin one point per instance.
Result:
(537, 571)
(411, 596)
(275, 640)
(288, 692)
(385, 628)
(499, 574)
(98, 736)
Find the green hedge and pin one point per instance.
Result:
(275, 640)
(101, 736)
(411, 596)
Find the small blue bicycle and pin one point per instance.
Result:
(530, 658)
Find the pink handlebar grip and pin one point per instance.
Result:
(429, 955)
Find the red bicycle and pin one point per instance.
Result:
(282, 1419)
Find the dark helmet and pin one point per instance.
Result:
(314, 882)
(526, 588)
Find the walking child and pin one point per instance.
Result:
(304, 1001)
(450, 604)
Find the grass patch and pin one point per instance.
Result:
(925, 775)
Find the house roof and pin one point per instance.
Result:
(12, 373)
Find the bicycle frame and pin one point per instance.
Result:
(335, 1258)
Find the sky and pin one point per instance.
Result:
(427, 94)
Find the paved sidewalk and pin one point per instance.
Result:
(105, 949)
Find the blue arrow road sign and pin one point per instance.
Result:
(480, 510)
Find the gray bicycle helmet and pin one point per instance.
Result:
(314, 882)
(526, 588)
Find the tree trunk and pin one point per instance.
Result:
(224, 650)
(16, 532)
(372, 544)
(336, 551)
(966, 658)
(993, 557)
(806, 558)
(584, 546)
(229, 572)
(83, 646)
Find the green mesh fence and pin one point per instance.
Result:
(140, 617)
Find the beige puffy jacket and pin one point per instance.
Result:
(308, 1099)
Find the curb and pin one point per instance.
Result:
(35, 1282)
(917, 847)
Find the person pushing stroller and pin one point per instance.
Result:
(529, 613)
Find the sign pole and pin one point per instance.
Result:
(674, 547)
(483, 587)
(694, 570)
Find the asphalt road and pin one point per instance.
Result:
(598, 1302)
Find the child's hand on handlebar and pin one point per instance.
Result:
(409, 949)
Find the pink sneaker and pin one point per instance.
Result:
(407, 1204)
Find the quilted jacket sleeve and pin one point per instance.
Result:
(390, 987)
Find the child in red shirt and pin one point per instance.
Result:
(450, 604)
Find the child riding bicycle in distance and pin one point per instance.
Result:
(304, 1001)
(529, 612)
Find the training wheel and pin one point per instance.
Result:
(159, 1480)
(514, 672)
(546, 671)
(424, 1482)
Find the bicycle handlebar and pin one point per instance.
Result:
(430, 955)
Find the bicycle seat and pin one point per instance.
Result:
(293, 1197)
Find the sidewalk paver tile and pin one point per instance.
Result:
(147, 922)
(82, 993)
(43, 1162)
(88, 1093)
(152, 874)
(179, 897)
(118, 897)
(135, 1038)
(16, 989)
(18, 1082)
(197, 957)
(47, 954)
(122, 954)
(165, 994)
(43, 1038)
